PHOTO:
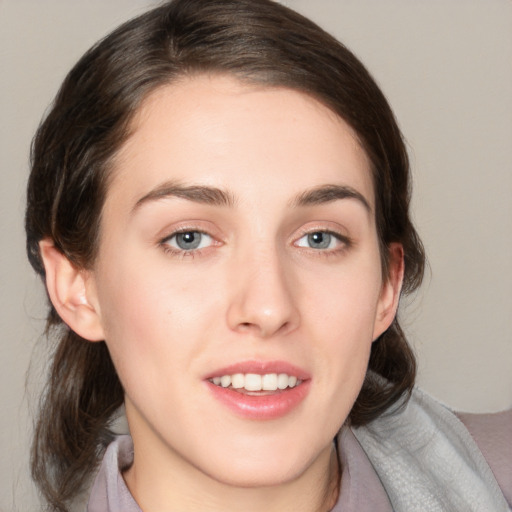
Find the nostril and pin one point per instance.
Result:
(247, 326)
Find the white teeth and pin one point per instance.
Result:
(269, 382)
(256, 382)
(238, 380)
(225, 381)
(252, 382)
(282, 381)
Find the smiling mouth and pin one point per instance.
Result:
(255, 383)
(260, 390)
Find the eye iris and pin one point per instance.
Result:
(189, 240)
(319, 240)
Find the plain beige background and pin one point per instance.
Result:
(446, 67)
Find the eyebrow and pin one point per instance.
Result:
(196, 193)
(217, 197)
(329, 193)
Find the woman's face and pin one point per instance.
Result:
(239, 248)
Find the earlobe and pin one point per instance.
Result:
(66, 285)
(391, 287)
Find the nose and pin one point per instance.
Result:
(263, 302)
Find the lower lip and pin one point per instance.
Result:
(261, 407)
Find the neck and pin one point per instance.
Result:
(177, 486)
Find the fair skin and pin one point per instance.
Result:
(238, 236)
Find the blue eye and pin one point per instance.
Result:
(319, 240)
(189, 240)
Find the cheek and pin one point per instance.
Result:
(340, 316)
(344, 300)
(153, 315)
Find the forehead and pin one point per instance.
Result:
(218, 131)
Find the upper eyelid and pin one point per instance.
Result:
(341, 238)
(186, 230)
(322, 229)
(189, 226)
(217, 235)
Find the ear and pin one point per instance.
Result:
(391, 287)
(66, 285)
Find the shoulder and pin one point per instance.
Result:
(427, 458)
(493, 435)
(109, 492)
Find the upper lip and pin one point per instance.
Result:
(260, 368)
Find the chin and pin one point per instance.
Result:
(265, 468)
(248, 476)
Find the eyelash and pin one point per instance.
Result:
(183, 253)
(345, 243)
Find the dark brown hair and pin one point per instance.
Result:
(258, 41)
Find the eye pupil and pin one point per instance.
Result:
(188, 240)
(319, 240)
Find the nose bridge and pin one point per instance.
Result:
(263, 301)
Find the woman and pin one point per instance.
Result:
(219, 207)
